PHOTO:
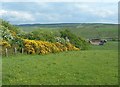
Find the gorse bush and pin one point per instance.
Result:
(44, 47)
(4, 44)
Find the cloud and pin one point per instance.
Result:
(95, 10)
(102, 13)
(53, 17)
(2, 12)
(54, 12)
(16, 15)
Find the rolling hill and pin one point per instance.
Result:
(86, 30)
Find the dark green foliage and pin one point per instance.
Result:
(5, 33)
(41, 35)
(29, 36)
(17, 42)
(77, 41)
(46, 36)
(9, 32)
(10, 27)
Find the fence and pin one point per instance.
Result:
(11, 51)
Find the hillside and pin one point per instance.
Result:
(86, 30)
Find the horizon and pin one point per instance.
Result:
(60, 23)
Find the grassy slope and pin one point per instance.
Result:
(83, 30)
(95, 66)
(111, 45)
(93, 31)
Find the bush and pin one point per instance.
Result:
(41, 35)
(4, 44)
(44, 47)
(77, 41)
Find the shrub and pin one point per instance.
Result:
(44, 47)
(77, 41)
(4, 44)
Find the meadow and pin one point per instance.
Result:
(96, 66)
(59, 54)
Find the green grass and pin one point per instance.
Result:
(91, 67)
(110, 45)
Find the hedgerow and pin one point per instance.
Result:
(39, 42)
(44, 47)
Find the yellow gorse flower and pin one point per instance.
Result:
(4, 43)
(44, 47)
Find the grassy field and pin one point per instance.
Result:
(96, 66)
(111, 45)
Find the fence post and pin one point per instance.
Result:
(15, 50)
(22, 50)
(6, 52)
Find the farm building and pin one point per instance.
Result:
(97, 41)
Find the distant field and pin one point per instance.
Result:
(96, 66)
(83, 30)
(110, 45)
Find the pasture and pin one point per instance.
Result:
(96, 66)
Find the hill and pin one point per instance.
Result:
(86, 30)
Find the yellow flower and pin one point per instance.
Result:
(44, 47)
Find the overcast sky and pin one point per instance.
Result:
(59, 12)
